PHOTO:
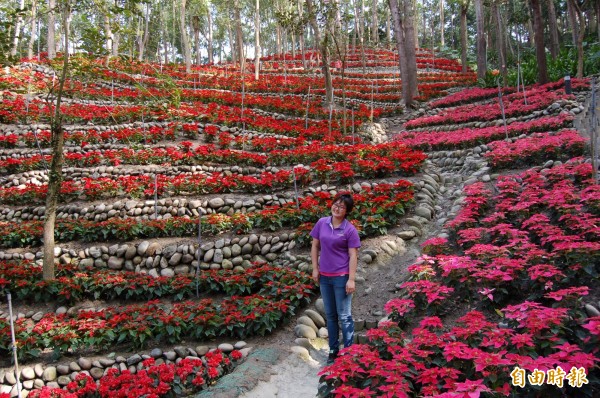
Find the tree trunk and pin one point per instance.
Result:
(399, 34)
(403, 17)
(481, 47)
(578, 24)
(231, 43)
(375, 28)
(322, 43)
(278, 39)
(363, 23)
(17, 31)
(51, 24)
(109, 35)
(442, 25)
(210, 36)
(142, 45)
(388, 27)
(32, 28)
(552, 26)
(354, 33)
(116, 44)
(530, 31)
(416, 27)
(361, 34)
(540, 51)
(196, 29)
(239, 37)
(144, 39)
(165, 42)
(185, 41)
(495, 10)
(598, 19)
(55, 173)
(257, 42)
(464, 8)
(411, 57)
(293, 42)
(302, 49)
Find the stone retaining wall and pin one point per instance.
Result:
(58, 376)
(175, 259)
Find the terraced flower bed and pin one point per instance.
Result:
(150, 154)
(188, 201)
(522, 254)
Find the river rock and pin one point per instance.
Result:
(225, 347)
(151, 250)
(27, 373)
(142, 247)
(63, 380)
(591, 310)
(407, 235)
(247, 249)
(303, 342)
(320, 307)
(116, 263)
(305, 320)
(201, 350)
(305, 331)
(156, 353)
(216, 203)
(218, 256)
(84, 363)
(181, 352)
(423, 212)
(208, 256)
(236, 250)
(86, 263)
(175, 259)
(240, 344)
(318, 320)
(134, 359)
(106, 362)
(97, 373)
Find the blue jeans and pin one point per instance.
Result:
(338, 307)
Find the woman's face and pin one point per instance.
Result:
(338, 209)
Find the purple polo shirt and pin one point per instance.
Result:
(335, 243)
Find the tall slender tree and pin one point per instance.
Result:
(442, 24)
(32, 29)
(185, 40)
(17, 28)
(464, 8)
(257, 41)
(553, 29)
(481, 44)
(403, 17)
(540, 49)
(578, 25)
(55, 173)
(375, 22)
(50, 37)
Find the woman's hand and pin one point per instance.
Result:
(315, 275)
(350, 286)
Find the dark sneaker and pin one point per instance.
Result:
(332, 356)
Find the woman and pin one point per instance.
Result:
(337, 240)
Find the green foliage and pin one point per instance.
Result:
(592, 60)
(6, 25)
(564, 64)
